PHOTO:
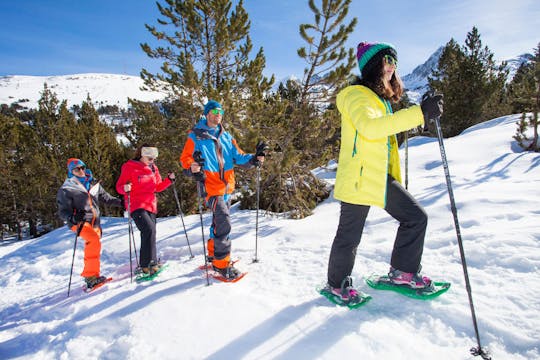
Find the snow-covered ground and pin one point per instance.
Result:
(275, 311)
(104, 89)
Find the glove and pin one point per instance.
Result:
(77, 216)
(260, 149)
(171, 176)
(197, 156)
(199, 176)
(432, 105)
(254, 161)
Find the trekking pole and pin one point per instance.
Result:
(406, 159)
(255, 260)
(261, 147)
(79, 229)
(478, 350)
(131, 237)
(198, 158)
(182, 217)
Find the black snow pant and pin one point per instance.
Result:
(221, 226)
(146, 223)
(409, 242)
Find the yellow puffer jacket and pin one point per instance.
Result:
(369, 148)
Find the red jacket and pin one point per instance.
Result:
(145, 183)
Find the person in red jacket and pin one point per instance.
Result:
(139, 182)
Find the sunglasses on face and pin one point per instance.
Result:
(390, 60)
(217, 111)
(150, 158)
(78, 168)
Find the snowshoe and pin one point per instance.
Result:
(346, 295)
(94, 282)
(150, 272)
(412, 288)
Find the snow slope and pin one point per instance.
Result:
(275, 312)
(104, 89)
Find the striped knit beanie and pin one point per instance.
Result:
(370, 54)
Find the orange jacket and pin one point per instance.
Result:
(220, 152)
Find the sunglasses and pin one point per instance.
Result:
(217, 111)
(150, 158)
(390, 60)
(79, 168)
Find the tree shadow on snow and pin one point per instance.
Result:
(31, 342)
(306, 343)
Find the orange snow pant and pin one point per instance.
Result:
(210, 245)
(92, 249)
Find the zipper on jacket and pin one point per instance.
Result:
(354, 144)
(388, 109)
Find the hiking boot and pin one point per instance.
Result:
(229, 272)
(412, 280)
(155, 267)
(346, 292)
(151, 269)
(92, 281)
(143, 270)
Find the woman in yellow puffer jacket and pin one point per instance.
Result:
(369, 170)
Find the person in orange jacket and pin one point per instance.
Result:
(78, 205)
(220, 153)
(139, 182)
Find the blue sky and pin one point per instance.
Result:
(45, 37)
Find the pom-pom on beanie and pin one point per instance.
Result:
(370, 54)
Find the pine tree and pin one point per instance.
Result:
(471, 83)
(329, 62)
(304, 122)
(524, 93)
(15, 140)
(45, 167)
(207, 56)
(98, 147)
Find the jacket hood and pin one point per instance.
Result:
(202, 129)
(202, 124)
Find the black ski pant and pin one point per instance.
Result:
(221, 226)
(408, 244)
(146, 223)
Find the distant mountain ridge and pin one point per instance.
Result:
(115, 89)
(416, 83)
(104, 89)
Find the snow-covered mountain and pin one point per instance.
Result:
(416, 83)
(115, 89)
(513, 64)
(104, 89)
(275, 312)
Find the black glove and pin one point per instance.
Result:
(260, 149)
(432, 105)
(77, 216)
(197, 156)
(253, 161)
(199, 176)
